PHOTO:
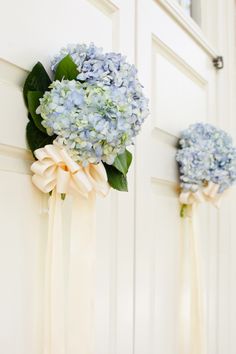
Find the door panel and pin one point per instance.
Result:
(22, 249)
(32, 31)
(178, 75)
(177, 87)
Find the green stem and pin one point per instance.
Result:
(63, 196)
(183, 210)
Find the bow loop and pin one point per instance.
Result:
(44, 183)
(54, 153)
(98, 178)
(55, 168)
(81, 182)
(208, 193)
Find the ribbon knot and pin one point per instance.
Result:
(55, 168)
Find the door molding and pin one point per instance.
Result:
(188, 24)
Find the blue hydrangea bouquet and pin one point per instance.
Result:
(93, 107)
(207, 164)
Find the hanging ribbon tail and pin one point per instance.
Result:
(81, 294)
(54, 319)
(56, 171)
(192, 338)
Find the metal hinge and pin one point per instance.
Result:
(218, 62)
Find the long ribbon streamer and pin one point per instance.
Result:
(54, 318)
(69, 310)
(69, 306)
(192, 336)
(81, 290)
(192, 339)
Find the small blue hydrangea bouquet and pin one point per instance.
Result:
(93, 107)
(207, 164)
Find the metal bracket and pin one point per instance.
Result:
(218, 62)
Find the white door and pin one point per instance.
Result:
(34, 31)
(175, 62)
(137, 238)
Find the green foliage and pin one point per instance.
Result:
(123, 161)
(116, 179)
(117, 172)
(33, 103)
(37, 80)
(37, 139)
(66, 69)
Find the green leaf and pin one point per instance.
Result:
(123, 161)
(35, 138)
(37, 80)
(33, 103)
(66, 69)
(29, 116)
(116, 179)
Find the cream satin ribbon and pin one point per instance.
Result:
(192, 338)
(192, 322)
(69, 305)
(81, 291)
(208, 193)
(56, 169)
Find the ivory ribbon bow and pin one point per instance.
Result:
(208, 193)
(69, 299)
(56, 169)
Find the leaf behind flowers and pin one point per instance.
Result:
(66, 69)
(116, 179)
(37, 139)
(123, 161)
(37, 80)
(33, 103)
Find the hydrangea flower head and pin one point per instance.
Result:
(94, 66)
(206, 154)
(94, 122)
(98, 114)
